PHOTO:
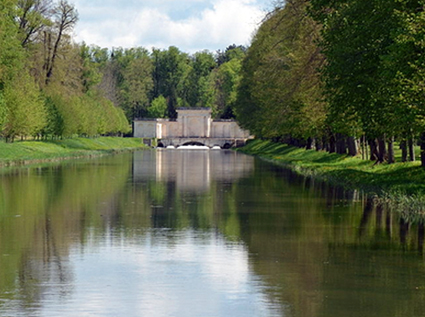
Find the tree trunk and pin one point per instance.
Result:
(66, 19)
(341, 146)
(325, 143)
(382, 151)
(423, 149)
(366, 147)
(411, 144)
(390, 142)
(352, 146)
(373, 150)
(332, 143)
(403, 147)
(310, 143)
(318, 143)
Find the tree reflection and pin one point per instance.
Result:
(317, 249)
(43, 212)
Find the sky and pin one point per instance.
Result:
(190, 25)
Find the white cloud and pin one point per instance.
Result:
(201, 25)
(187, 273)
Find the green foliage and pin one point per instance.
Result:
(280, 90)
(33, 17)
(54, 120)
(158, 108)
(374, 71)
(21, 97)
(230, 53)
(3, 109)
(356, 34)
(92, 59)
(226, 81)
(198, 88)
(86, 115)
(171, 70)
(137, 82)
(11, 53)
(91, 91)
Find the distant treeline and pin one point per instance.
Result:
(338, 75)
(153, 84)
(52, 87)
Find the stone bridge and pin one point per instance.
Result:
(210, 142)
(193, 126)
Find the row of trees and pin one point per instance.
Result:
(45, 89)
(334, 73)
(51, 86)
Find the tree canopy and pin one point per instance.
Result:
(337, 74)
(52, 87)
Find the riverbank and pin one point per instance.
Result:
(28, 152)
(399, 179)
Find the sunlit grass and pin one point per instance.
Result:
(352, 172)
(26, 151)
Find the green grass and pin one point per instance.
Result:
(24, 152)
(352, 172)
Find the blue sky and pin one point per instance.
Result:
(191, 25)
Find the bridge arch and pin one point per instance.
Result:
(195, 143)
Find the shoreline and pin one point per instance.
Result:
(400, 186)
(22, 153)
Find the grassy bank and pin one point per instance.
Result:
(352, 172)
(26, 152)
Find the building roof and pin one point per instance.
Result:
(194, 109)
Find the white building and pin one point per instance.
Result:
(192, 125)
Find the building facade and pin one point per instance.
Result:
(193, 124)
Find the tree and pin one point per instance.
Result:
(403, 72)
(226, 79)
(137, 84)
(65, 17)
(279, 95)
(21, 97)
(158, 108)
(171, 68)
(198, 89)
(33, 17)
(356, 36)
(11, 53)
(110, 80)
(231, 52)
(94, 60)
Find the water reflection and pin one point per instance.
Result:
(191, 170)
(205, 233)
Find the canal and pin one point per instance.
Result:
(199, 233)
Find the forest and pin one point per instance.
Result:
(52, 87)
(343, 76)
(340, 76)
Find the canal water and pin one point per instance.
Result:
(199, 233)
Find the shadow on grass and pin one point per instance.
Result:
(331, 158)
(344, 170)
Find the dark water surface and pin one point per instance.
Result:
(199, 233)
